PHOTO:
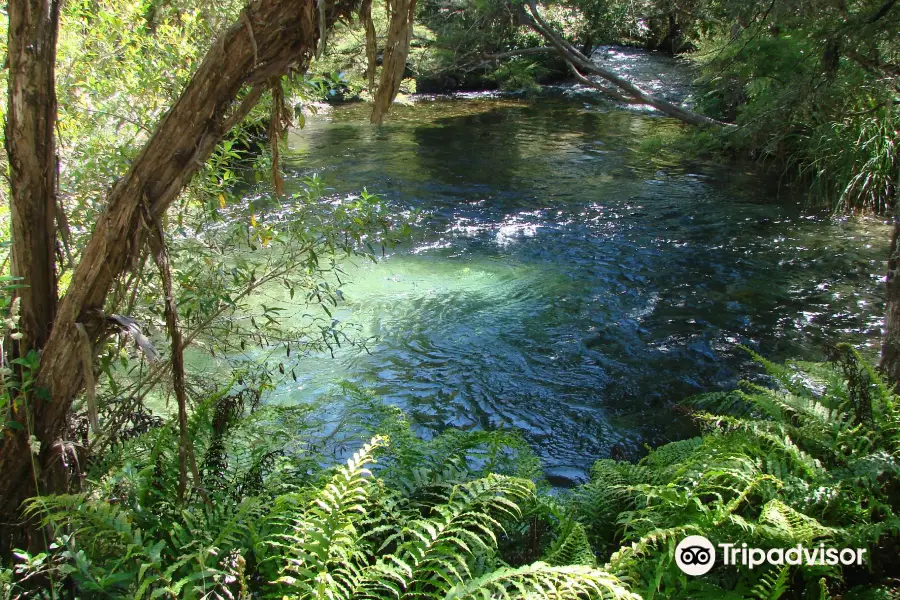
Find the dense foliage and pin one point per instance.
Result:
(813, 459)
(229, 238)
(814, 88)
(268, 521)
(810, 459)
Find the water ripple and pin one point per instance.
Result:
(567, 282)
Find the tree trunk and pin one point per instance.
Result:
(30, 145)
(371, 43)
(890, 349)
(270, 37)
(396, 49)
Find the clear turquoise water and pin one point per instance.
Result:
(571, 280)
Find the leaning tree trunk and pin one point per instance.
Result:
(580, 64)
(270, 37)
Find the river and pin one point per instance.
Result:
(570, 280)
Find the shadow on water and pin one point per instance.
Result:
(569, 283)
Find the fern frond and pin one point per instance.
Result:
(440, 548)
(665, 457)
(790, 525)
(773, 584)
(571, 546)
(320, 548)
(544, 582)
(619, 561)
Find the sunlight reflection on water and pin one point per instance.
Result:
(570, 293)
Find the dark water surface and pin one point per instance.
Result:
(572, 280)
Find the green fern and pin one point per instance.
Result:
(811, 459)
(320, 547)
(544, 582)
(791, 526)
(773, 584)
(571, 546)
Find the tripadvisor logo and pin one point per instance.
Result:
(695, 555)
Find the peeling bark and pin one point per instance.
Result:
(186, 457)
(271, 37)
(31, 147)
(371, 43)
(396, 50)
(278, 124)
